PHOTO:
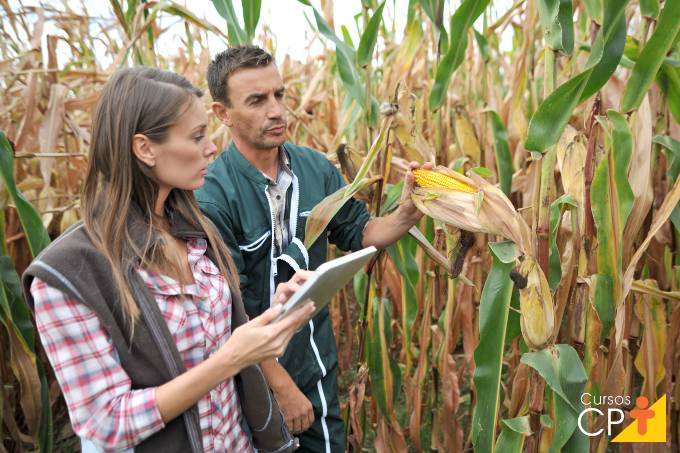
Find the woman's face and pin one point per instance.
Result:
(181, 161)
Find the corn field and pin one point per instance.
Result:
(547, 264)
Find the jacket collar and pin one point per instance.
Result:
(138, 227)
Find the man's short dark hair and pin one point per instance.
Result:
(230, 60)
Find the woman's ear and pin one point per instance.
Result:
(144, 149)
(222, 113)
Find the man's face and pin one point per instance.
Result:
(257, 113)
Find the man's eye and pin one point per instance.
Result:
(279, 95)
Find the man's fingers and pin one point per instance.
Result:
(428, 165)
(310, 419)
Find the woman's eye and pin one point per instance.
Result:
(199, 138)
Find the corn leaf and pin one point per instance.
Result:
(324, 212)
(649, 8)
(503, 156)
(251, 16)
(369, 37)
(493, 320)
(557, 208)
(384, 374)
(669, 203)
(551, 117)
(668, 79)
(513, 433)
(602, 290)
(673, 170)
(558, 24)
(461, 21)
(15, 316)
(594, 9)
(651, 312)
(402, 254)
(612, 199)
(236, 35)
(652, 56)
(563, 372)
(36, 235)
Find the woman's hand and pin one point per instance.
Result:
(264, 338)
(285, 290)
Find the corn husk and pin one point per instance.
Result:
(537, 318)
(485, 210)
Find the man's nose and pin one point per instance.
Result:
(276, 110)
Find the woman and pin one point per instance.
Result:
(138, 305)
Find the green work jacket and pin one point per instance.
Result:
(235, 198)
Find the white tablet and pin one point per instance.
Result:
(327, 280)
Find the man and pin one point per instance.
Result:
(259, 193)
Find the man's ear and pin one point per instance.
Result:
(144, 150)
(222, 113)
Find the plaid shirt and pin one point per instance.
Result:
(102, 406)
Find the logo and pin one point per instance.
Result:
(649, 423)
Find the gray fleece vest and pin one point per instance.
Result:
(74, 266)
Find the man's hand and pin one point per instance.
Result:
(406, 205)
(296, 408)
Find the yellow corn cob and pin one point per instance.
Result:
(436, 180)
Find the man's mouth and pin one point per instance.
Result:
(277, 129)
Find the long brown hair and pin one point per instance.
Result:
(144, 101)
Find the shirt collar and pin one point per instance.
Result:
(284, 166)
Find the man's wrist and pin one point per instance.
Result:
(277, 376)
(408, 213)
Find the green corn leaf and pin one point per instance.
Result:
(326, 31)
(612, 199)
(461, 21)
(493, 320)
(349, 76)
(236, 35)
(558, 25)
(668, 79)
(649, 8)
(16, 317)
(370, 37)
(324, 212)
(402, 254)
(652, 56)
(557, 207)
(384, 374)
(503, 156)
(36, 235)
(594, 9)
(602, 302)
(551, 117)
(251, 16)
(513, 433)
(483, 45)
(430, 7)
(563, 372)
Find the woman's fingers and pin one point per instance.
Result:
(301, 276)
(267, 316)
(296, 318)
